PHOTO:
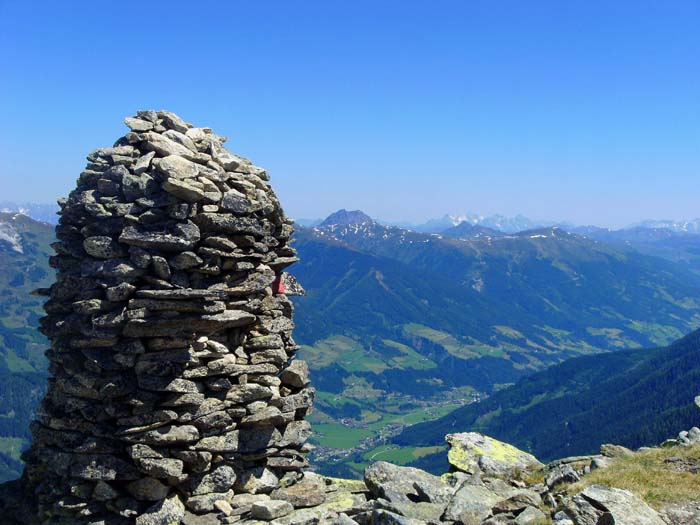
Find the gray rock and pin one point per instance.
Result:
(472, 452)
(166, 512)
(94, 467)
(167, 435)
(164, 147)
(619, 506)
(614, 451)
(147, 489)
(694, 435)
(176, 167)
(205, 502)
(181, 236)
(220, 479)
(384, 517)
(561, 474)
(136, 124)
(181, 138)
(270, 510)
(173, 121)
(296, 374)
(471, 504)
(162, 468)
(120, 292)
(161, 267)
(238, 203)
(259, 480)
(398, 485)
(603, 462)
(204, 519)
(143, 163)
(223, 443)
(103, 247)
(185, 261)
(309, 492)
(189, 191)
(224, 158)
(519, 500)
(241, 394)
(686, 513)
(170, 326)
(531, 516)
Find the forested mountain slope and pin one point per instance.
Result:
(629, 397)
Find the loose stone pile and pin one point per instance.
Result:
(172, 381)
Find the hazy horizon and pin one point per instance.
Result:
(401, 221)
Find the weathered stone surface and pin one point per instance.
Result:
(185, 190)
(270, 510)
(220, 479)
(238, 203)
(621, 507)
(561, 474)
(472, 452)
(103, 247)
(471, 504)
(205, 502)
(614, 451)
(398, 486)
(165, 147)
(176, 167)
(163, 468)
(385, 517)
(185, 261)
(259, 480)
(531, 516)
(174, 326)
(296, 374)
(181, 236)
(309, 492)
(167, 435)
(222, 443)
(686, 513)
(166, 512)
(147, 489)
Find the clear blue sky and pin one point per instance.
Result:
(581, 110)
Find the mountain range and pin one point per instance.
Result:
(400, 322)
(401, 326)
(46, 212)
(24, 255)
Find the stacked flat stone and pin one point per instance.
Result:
(172, 381)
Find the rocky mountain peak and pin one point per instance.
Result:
(344, 218)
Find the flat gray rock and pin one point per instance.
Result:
(269, 510)
(623, 507)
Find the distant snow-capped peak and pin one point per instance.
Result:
(10, 235)
(689, 226)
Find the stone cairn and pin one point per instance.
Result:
(172, 380)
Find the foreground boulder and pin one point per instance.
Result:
(599, 504)
(475, 453)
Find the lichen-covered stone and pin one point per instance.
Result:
(472, 452)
